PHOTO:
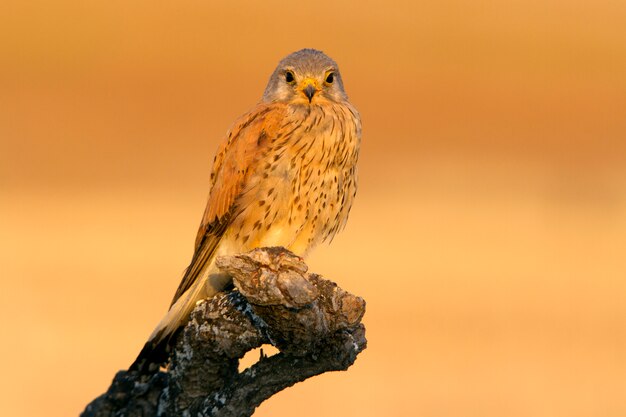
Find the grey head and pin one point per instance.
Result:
(307, 76)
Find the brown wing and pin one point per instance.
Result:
(235, 156)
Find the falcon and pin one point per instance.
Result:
(284, 175)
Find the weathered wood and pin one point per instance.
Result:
(315, 324)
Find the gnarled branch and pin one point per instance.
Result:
(315, 324)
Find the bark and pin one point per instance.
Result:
(315, 324)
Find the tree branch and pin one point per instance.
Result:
(315, 324)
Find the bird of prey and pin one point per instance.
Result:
(285, 175)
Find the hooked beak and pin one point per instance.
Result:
(310, 91)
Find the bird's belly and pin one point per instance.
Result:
(280, 234)
(296, 221)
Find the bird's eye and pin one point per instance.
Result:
(289, 77)
(330, 78)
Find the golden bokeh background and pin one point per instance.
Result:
(488, 236)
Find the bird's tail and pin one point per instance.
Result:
(155, 352)
(152, 357)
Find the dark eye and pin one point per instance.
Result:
(330, 78)
(289, 77)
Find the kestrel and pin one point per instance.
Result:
(285, 175)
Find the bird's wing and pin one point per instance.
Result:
(246, 141)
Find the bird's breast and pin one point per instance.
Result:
(305, 181)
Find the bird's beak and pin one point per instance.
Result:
(309, 91)
(309, 88)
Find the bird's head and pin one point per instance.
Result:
(305, 77)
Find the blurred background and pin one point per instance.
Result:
(488, 236)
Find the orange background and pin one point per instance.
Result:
(488, 236)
